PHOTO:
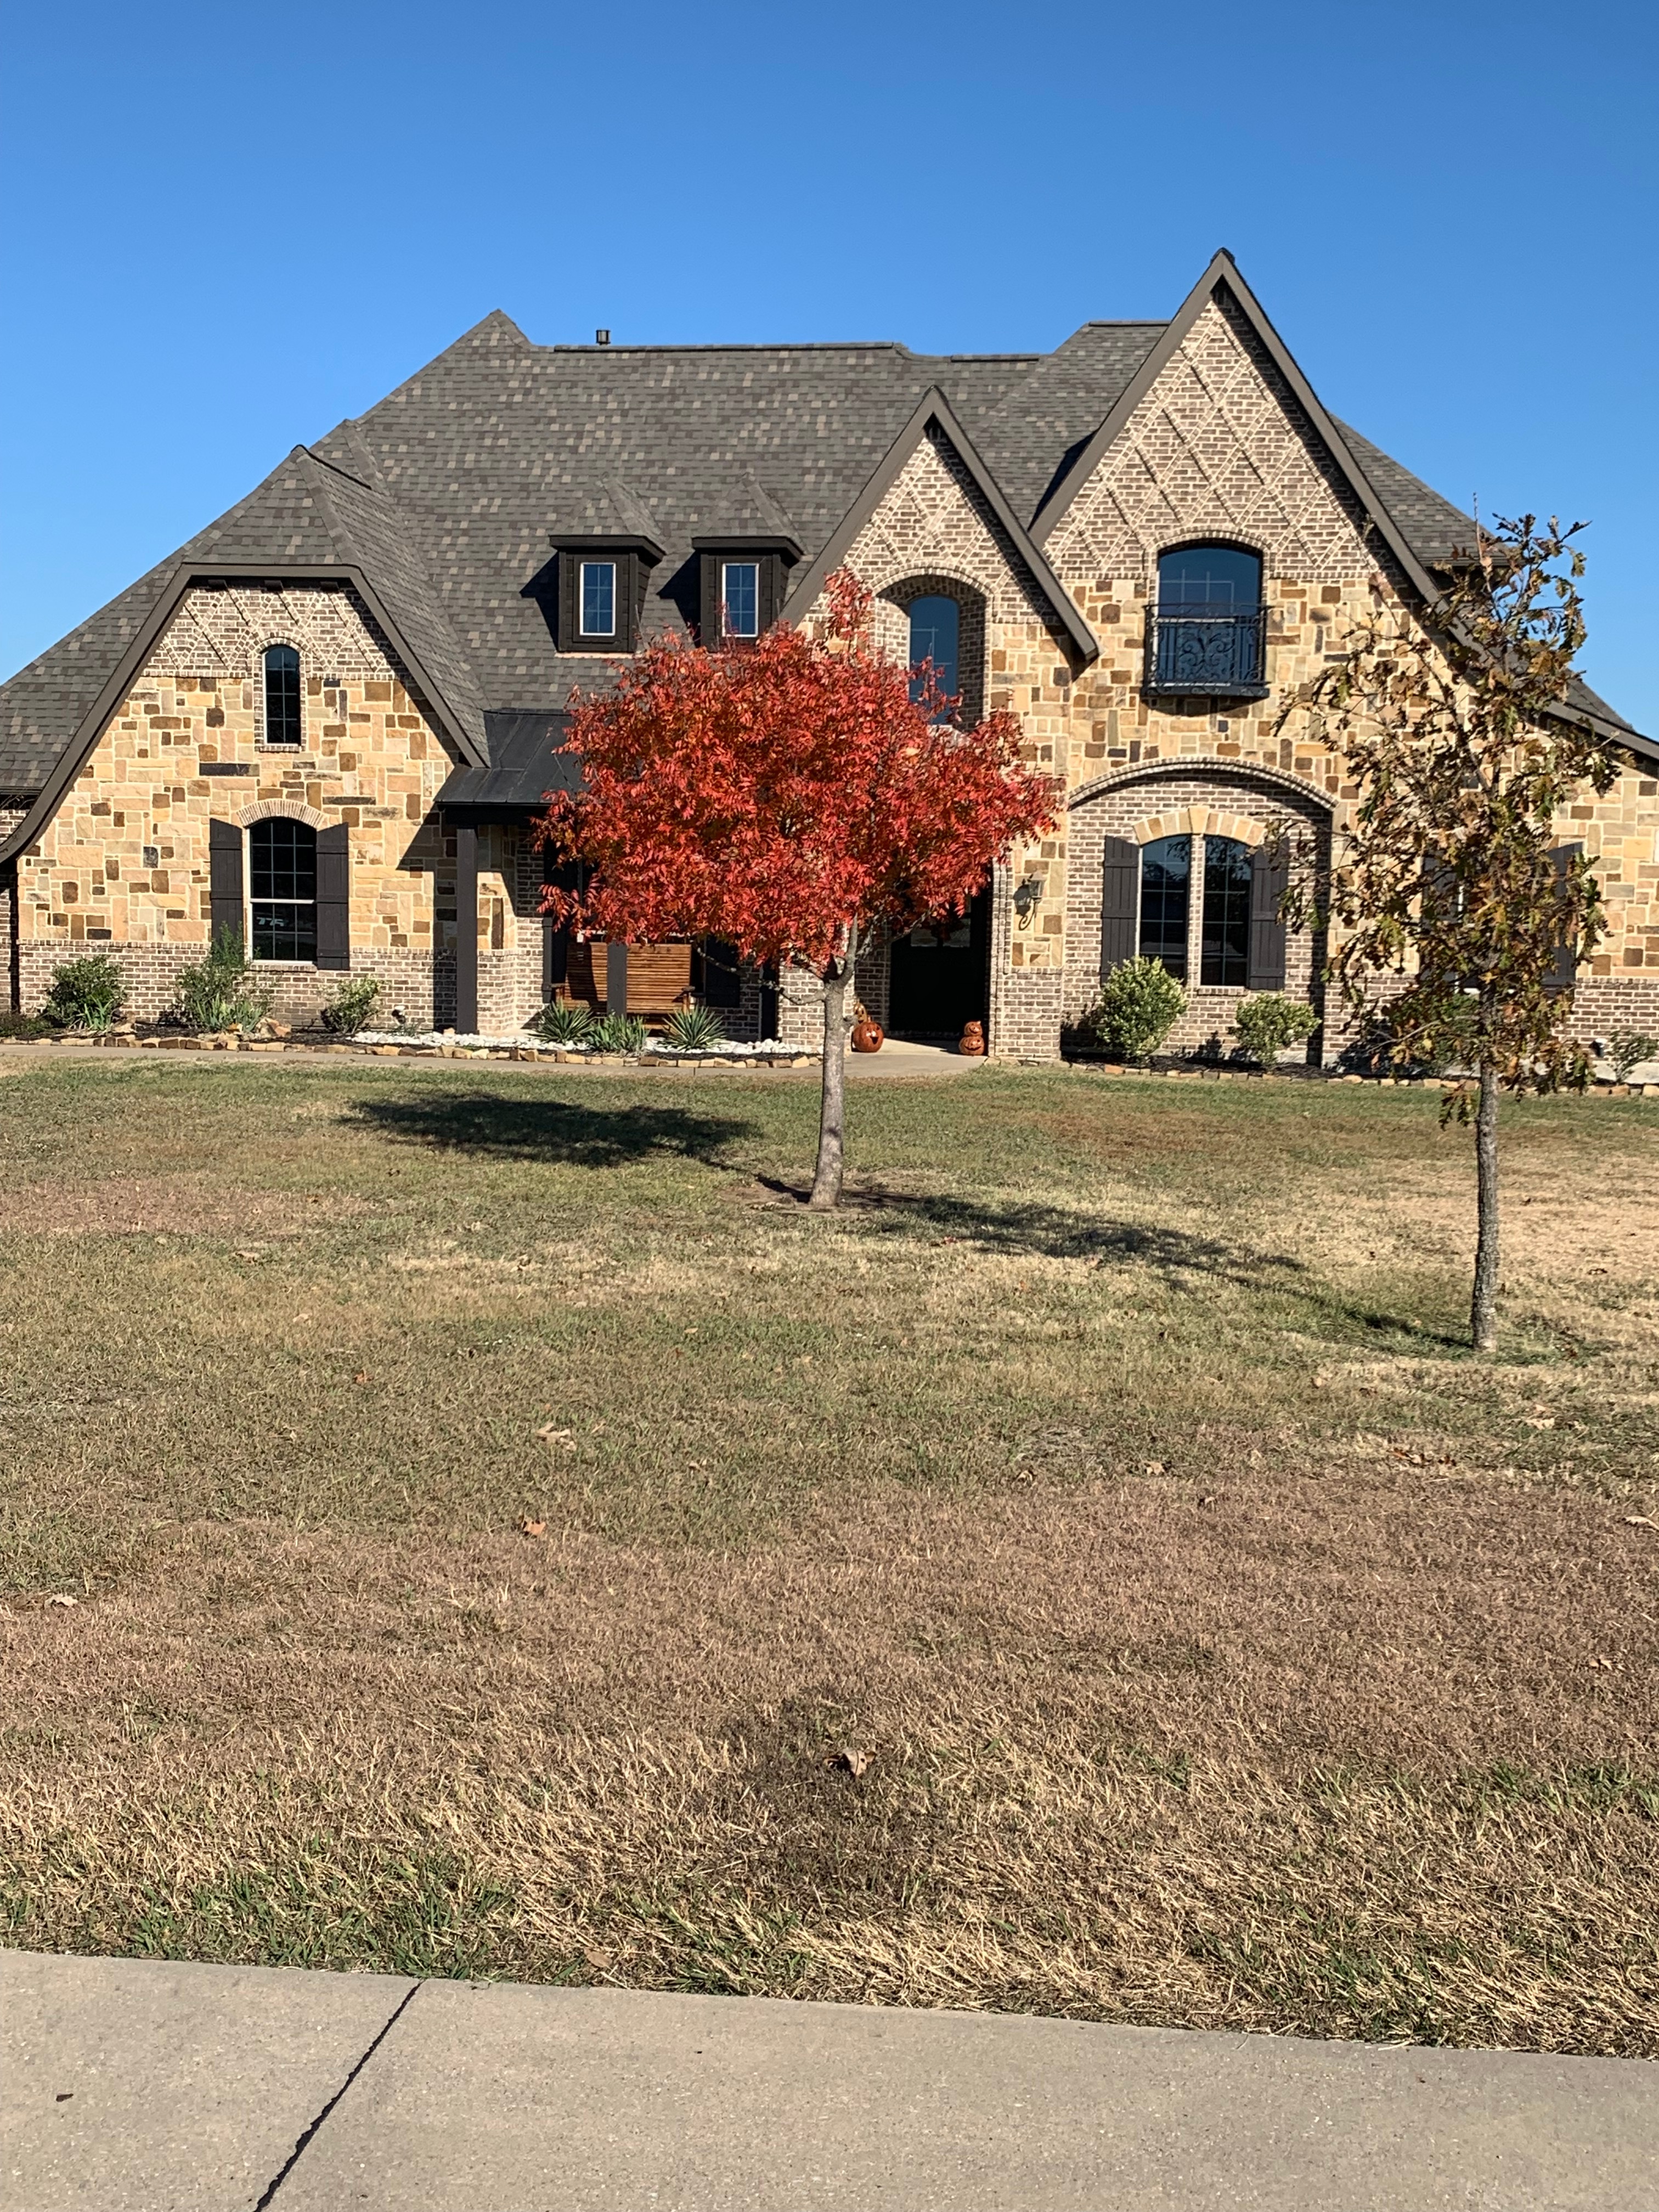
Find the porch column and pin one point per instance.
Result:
(467, 927)
(616, 978)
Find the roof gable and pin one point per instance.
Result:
(933, 418)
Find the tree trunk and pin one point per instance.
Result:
(1483, 1309)
(826, 1181)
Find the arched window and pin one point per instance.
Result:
(282, 889)
(282, 695)
(936, 636)
(1209, 627)
(1225, 956)
(1166, 868)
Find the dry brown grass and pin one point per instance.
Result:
(1353, 1753)
(1344, 1722)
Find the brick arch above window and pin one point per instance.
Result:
(267, 810)
(892, 627)
(1205, 767)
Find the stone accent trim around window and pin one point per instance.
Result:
(289, 809)
(1200, 821)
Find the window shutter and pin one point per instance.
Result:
(1120, 910)
(334, 897)
(1269, 880)
(225, 895)
(1564, 968)
(708, 612)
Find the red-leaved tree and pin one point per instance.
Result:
(787, 796)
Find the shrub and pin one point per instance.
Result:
(1269, 1022)
(563, 1021)
(1141, 1003)
(86, 993)
(224, 991)
(24, 1026)
(1627, 1049)
(617, 1033)
(694, 1029)
(353, 1004)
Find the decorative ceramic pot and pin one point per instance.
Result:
(973, 1040)
(866, 1035)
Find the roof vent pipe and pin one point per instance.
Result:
(601, 337)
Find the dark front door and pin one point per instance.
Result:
(941, 973)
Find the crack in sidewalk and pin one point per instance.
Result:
(295, 2155)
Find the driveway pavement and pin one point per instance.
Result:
(140, 2086)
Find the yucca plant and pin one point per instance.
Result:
(617, 1033)
(225, 991)
(563, 1021)
(694, 1029)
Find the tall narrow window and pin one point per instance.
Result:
(1225, 959)
(740, 598)
(1166, 867)
(935, 635)
(599, 598)
(282, 889)
(282, 695)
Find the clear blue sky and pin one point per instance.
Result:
(228, 226)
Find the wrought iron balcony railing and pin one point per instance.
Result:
(1205, 653)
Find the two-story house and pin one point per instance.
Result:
(328, 720)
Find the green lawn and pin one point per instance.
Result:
(1227, 1645)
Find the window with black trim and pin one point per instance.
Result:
(1224, 955)
(1166, 869)
(282, 889)
(283, 717)
(1208, 628)
(935, 637)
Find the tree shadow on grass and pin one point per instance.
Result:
(491, 1125)
(1017, 1226)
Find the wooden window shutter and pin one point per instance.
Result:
(1564, 969)
(334, 897)
(1269, 880)
(225, 892)
(1120, 910)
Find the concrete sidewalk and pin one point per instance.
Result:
(137, 2086)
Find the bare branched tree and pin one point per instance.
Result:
(1457, 915)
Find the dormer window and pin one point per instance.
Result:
(743, 584)
(740, 598)
(599, 600)
(602, 591)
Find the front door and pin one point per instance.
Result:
(941, 973)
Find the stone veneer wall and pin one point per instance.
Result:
(186, 747)
(1218, 449)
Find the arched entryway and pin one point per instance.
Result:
(939, 974)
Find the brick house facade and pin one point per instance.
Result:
(422, 580)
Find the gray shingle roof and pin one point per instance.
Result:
(448, 493)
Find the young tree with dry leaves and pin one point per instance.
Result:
(789, 796)
(1459, 730)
